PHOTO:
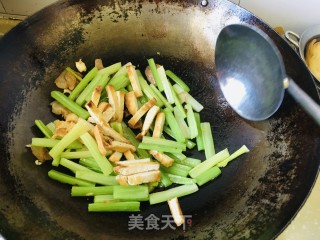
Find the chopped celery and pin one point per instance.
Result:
(207, 139)
(182, 124)
(178, 80)
(114, 207)
(71, 105)
(178, 169)
(76, 154)
(117, 127)
(120, 82)
(131, 193)
(84, 82)
(165, 180)
(78, 129)
(210, 162)
(191, 121)
(188, 98)
(49, 142)
(90, 163)
(96, 178)
(191, 162)
(161, 97)
(64, 178)
(92, 146)
(208, 175)
(160, 148)
(104, 199)
(234, 155)
(199, 138)
(43, 128)
(166, 195)
(166, 85)
(163, 142)
(174, 125)
(180, 180)
(77, 191)
(72, 166)
(155, 73)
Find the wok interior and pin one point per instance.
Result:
(254, 197)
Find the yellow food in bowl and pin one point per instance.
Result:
(313, 58)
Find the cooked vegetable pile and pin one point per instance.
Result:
(124, 139)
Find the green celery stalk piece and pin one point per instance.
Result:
(207, 139)
(208, 175)
(180, 180)
(148, 146)
(72, 166)
(161, 97)
(131, 193)
(209, 163)
(82, 84)
(172, 122)
(77, 191)
(64, 178)
(43, 128)
(166, 85)
(165, 180)
(92, 146)
(50, 142)
(81, 127)
(163, 142)
(90, 163)
(114, 207)
(177, 80)
(96, 178)
(155, 74)
(192, 123)
(166, 195)
(104, 199)
(181, 122)
(178, 169)
(76, 154)
(199, 138)
(188, 98)
(234, 155)
(71, 105)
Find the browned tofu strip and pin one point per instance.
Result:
(115, 157)
(120, 110)
(95, 97)
(128, 155)
(143, 110)
(99, 139)
(95, 114)
(108, 131)
(133, 77)
(139, 178)
(98, 64)
(120, 147)
(151, 114)
(136, 168)
(162, 158)
(176, 211)
(113, 100)
(133, 161)
(131, 102)
(158, 125)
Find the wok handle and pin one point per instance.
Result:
(304, 100)
(293, 38)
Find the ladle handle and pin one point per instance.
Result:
(293, 38)
(306, 102)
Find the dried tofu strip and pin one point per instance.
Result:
(100, 140)
(120, 109)
(113, 100)
(96, 94)
(151, 114)
(108, 131)
(128, 155)
(107, 111)
(158, 125)
(115, 157)
(131, 102)
(176, 211)
(98, 64)
(136, 168)
(143, 110)
(139, 178)
(133, 161)
(95, 114)
(162, 158)
(120, 146)
(133, 77)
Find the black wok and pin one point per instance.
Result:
(254, 198)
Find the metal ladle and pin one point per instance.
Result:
(252, 76)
